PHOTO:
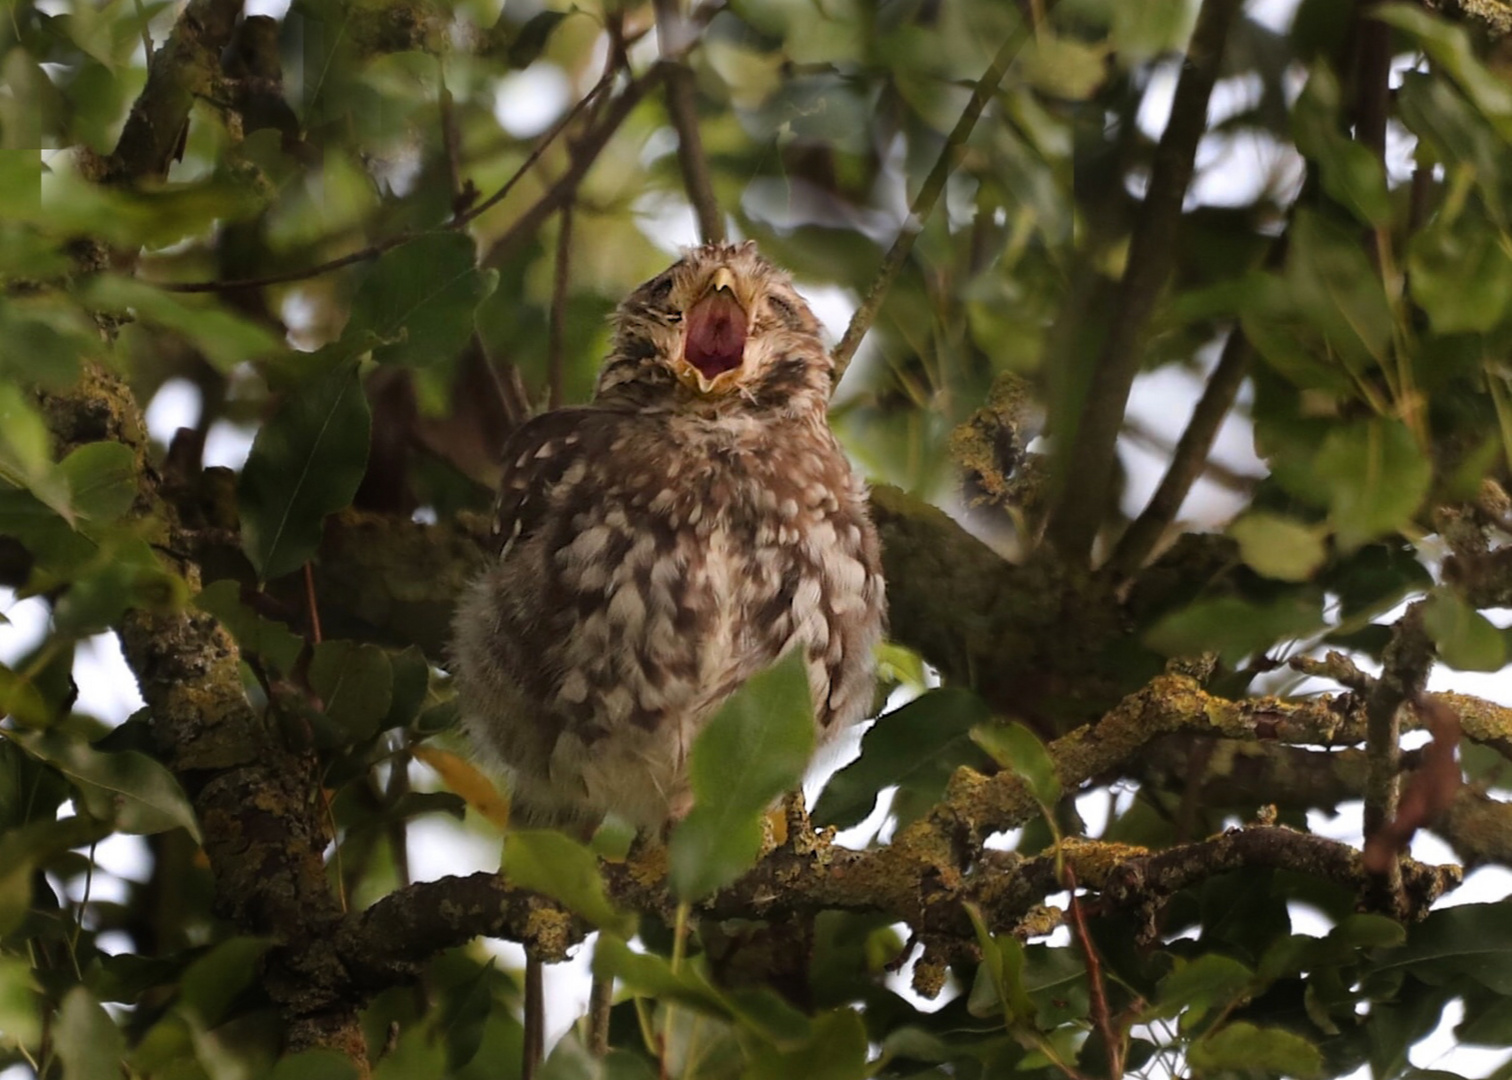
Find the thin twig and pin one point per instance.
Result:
(1088, 467)
(585, 153)
(677, 36)
(1099, 996)
(1189, 460)
(310, 604)
(924, 201)
(557, 346)
(372, 251)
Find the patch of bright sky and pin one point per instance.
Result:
(528, 102)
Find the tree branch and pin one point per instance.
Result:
(1086, 473)
(185, 67)
(264, 834)
(1190, 459)
(677, 36)
(924, 201)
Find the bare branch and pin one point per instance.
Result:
(1189, 460)
(1088, 466)
(924, 202)
(677, 36)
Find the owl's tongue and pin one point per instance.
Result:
(716, 334)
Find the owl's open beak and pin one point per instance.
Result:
(714, 344)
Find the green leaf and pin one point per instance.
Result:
(1466, 639)
(1450, 48)
(305, 463)
(265, 638)
(101, 479)
(1015, 747)
(1195, 987)
(754, 749)
(124, 573)
(1474, 940)
(1279, 547)
(44, 341)
(1246, 1049)
(26, 450)
(315, 1065)
(355, 682)
(1460, 273)
(651, 976)
(127, 788)
(1235, 628)
(20, 1004)
(927, 736)
(87, 1039)
(1330, 278)
(530, 40)
(22, 701)
(224, 338)
(1377, 477)
(557, 866)
(419, 301)
(1352, 175)
(214, 980)
(836, 1050)
(999, 988)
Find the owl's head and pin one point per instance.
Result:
(720, 325)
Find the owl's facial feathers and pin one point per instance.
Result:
(721, 324)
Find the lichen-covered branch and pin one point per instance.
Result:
(186, 66)
(256, 796)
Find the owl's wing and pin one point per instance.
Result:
(536, 458)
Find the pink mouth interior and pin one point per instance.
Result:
(716, 334)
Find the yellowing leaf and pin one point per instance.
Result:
(468, 781)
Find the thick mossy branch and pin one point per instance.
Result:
(936, 868)
(256, 797)
(185, 67)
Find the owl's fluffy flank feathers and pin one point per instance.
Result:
(665, 543)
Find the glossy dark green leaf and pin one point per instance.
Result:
(1245, 1048)
(20, 1003)
(1474, 940)
(1352, 175)
(135, 792)
(87, 1039)
(314, 1065)
(551, 863)
(355, 683)
(272, 641)
(1377, 478)
(1235, 628)
(1465, 638)
(102, 480)
(305, 463)
(1279, 547)
(1461, 273)
(836, 1050)
(411, 683)
(530, 40)
(1013, 746)
(755, 748)
(927, 735)
(226, 339)
(214, 980)
(652, 976)
(1200, 985)
(419, 300)
(999, 988)
(1333, 282)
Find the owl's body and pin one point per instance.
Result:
(666, 543)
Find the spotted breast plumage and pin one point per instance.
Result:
(666, 542)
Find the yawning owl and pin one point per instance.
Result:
(665, 543)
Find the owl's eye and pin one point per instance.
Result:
(784, 310)
(661, 288)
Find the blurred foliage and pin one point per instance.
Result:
(1373, 289)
